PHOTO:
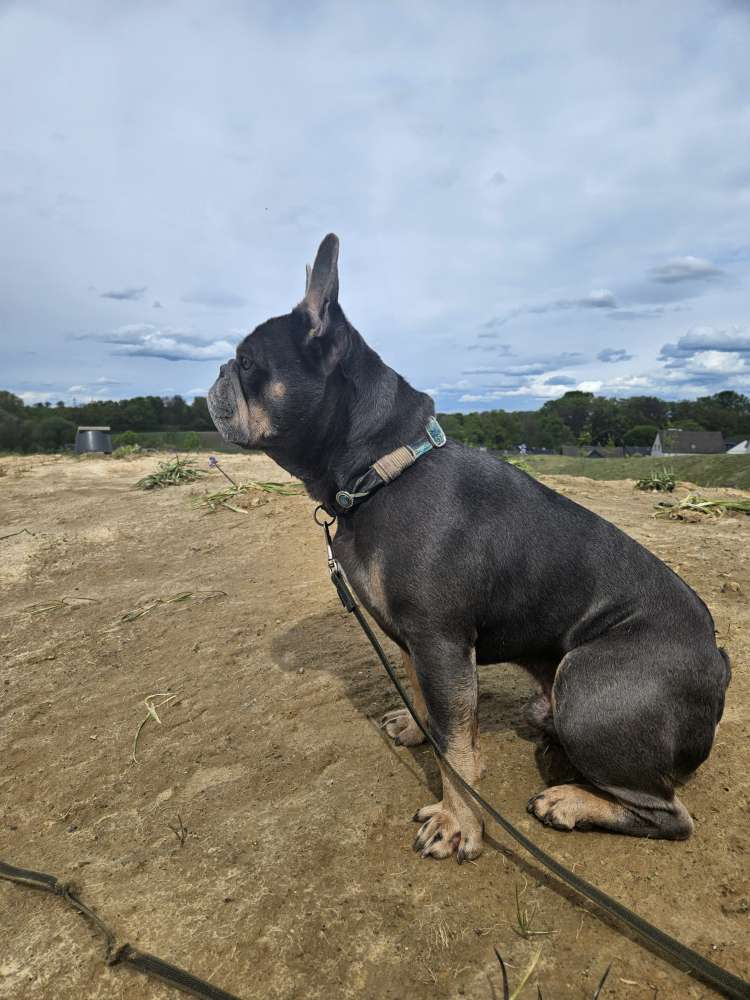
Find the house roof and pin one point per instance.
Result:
(685, 442)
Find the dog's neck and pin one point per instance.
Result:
(366, 412)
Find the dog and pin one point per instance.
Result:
(462, 559)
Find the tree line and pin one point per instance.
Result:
(577, 418)
(581, 418)
(50, 427)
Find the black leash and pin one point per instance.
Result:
(725, 982)
(149, 965)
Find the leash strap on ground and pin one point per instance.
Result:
(148, 965)
(703, 968)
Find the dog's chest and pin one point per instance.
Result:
(368, 581)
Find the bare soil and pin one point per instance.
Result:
(296, 877)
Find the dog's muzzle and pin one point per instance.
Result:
(226, 405)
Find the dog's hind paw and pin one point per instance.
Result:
(402, 729)
(575, 807)
(443, 832)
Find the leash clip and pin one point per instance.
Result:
(338, 578)
(333, 566)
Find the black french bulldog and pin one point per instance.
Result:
(463, 559)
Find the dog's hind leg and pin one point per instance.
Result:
(399, 724)
(631, 716)
(537, 712)
(581, 807)
(448, 678)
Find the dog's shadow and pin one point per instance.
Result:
(333, 643)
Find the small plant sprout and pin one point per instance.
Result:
(525, 918)
(180, 830)
(659, 482)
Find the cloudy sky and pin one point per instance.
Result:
(530, 197)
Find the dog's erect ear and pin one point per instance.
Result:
(322, 290)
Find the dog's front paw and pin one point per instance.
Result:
(402, 728)
(444, 831)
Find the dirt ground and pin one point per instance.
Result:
(296, 877)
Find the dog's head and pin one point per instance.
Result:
(270, 390)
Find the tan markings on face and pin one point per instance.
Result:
(277, 390)
(254, 419)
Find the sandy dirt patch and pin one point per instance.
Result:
(296, 877)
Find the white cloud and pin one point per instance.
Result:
(706, 337)
(459, 189)
(30, 397)
(145, 340)
(685, 269)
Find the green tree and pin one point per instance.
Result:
(10, 403)
(574, 409)
(200, 418)
(52, 434)
(642, 435)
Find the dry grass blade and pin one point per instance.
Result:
(222, 498)
(171, 473)
(506, 988)
(57, 605)
(14, 533)
(507, 995)
(602, 981)
(200, 596)
(180, 831)
(151, 707)
(526, 976)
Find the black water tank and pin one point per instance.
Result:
(93, 439)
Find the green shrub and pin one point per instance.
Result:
(191, 441)
(127, 451)
(661, 482)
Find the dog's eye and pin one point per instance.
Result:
(245, 363)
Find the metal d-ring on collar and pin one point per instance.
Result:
(374, 477)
